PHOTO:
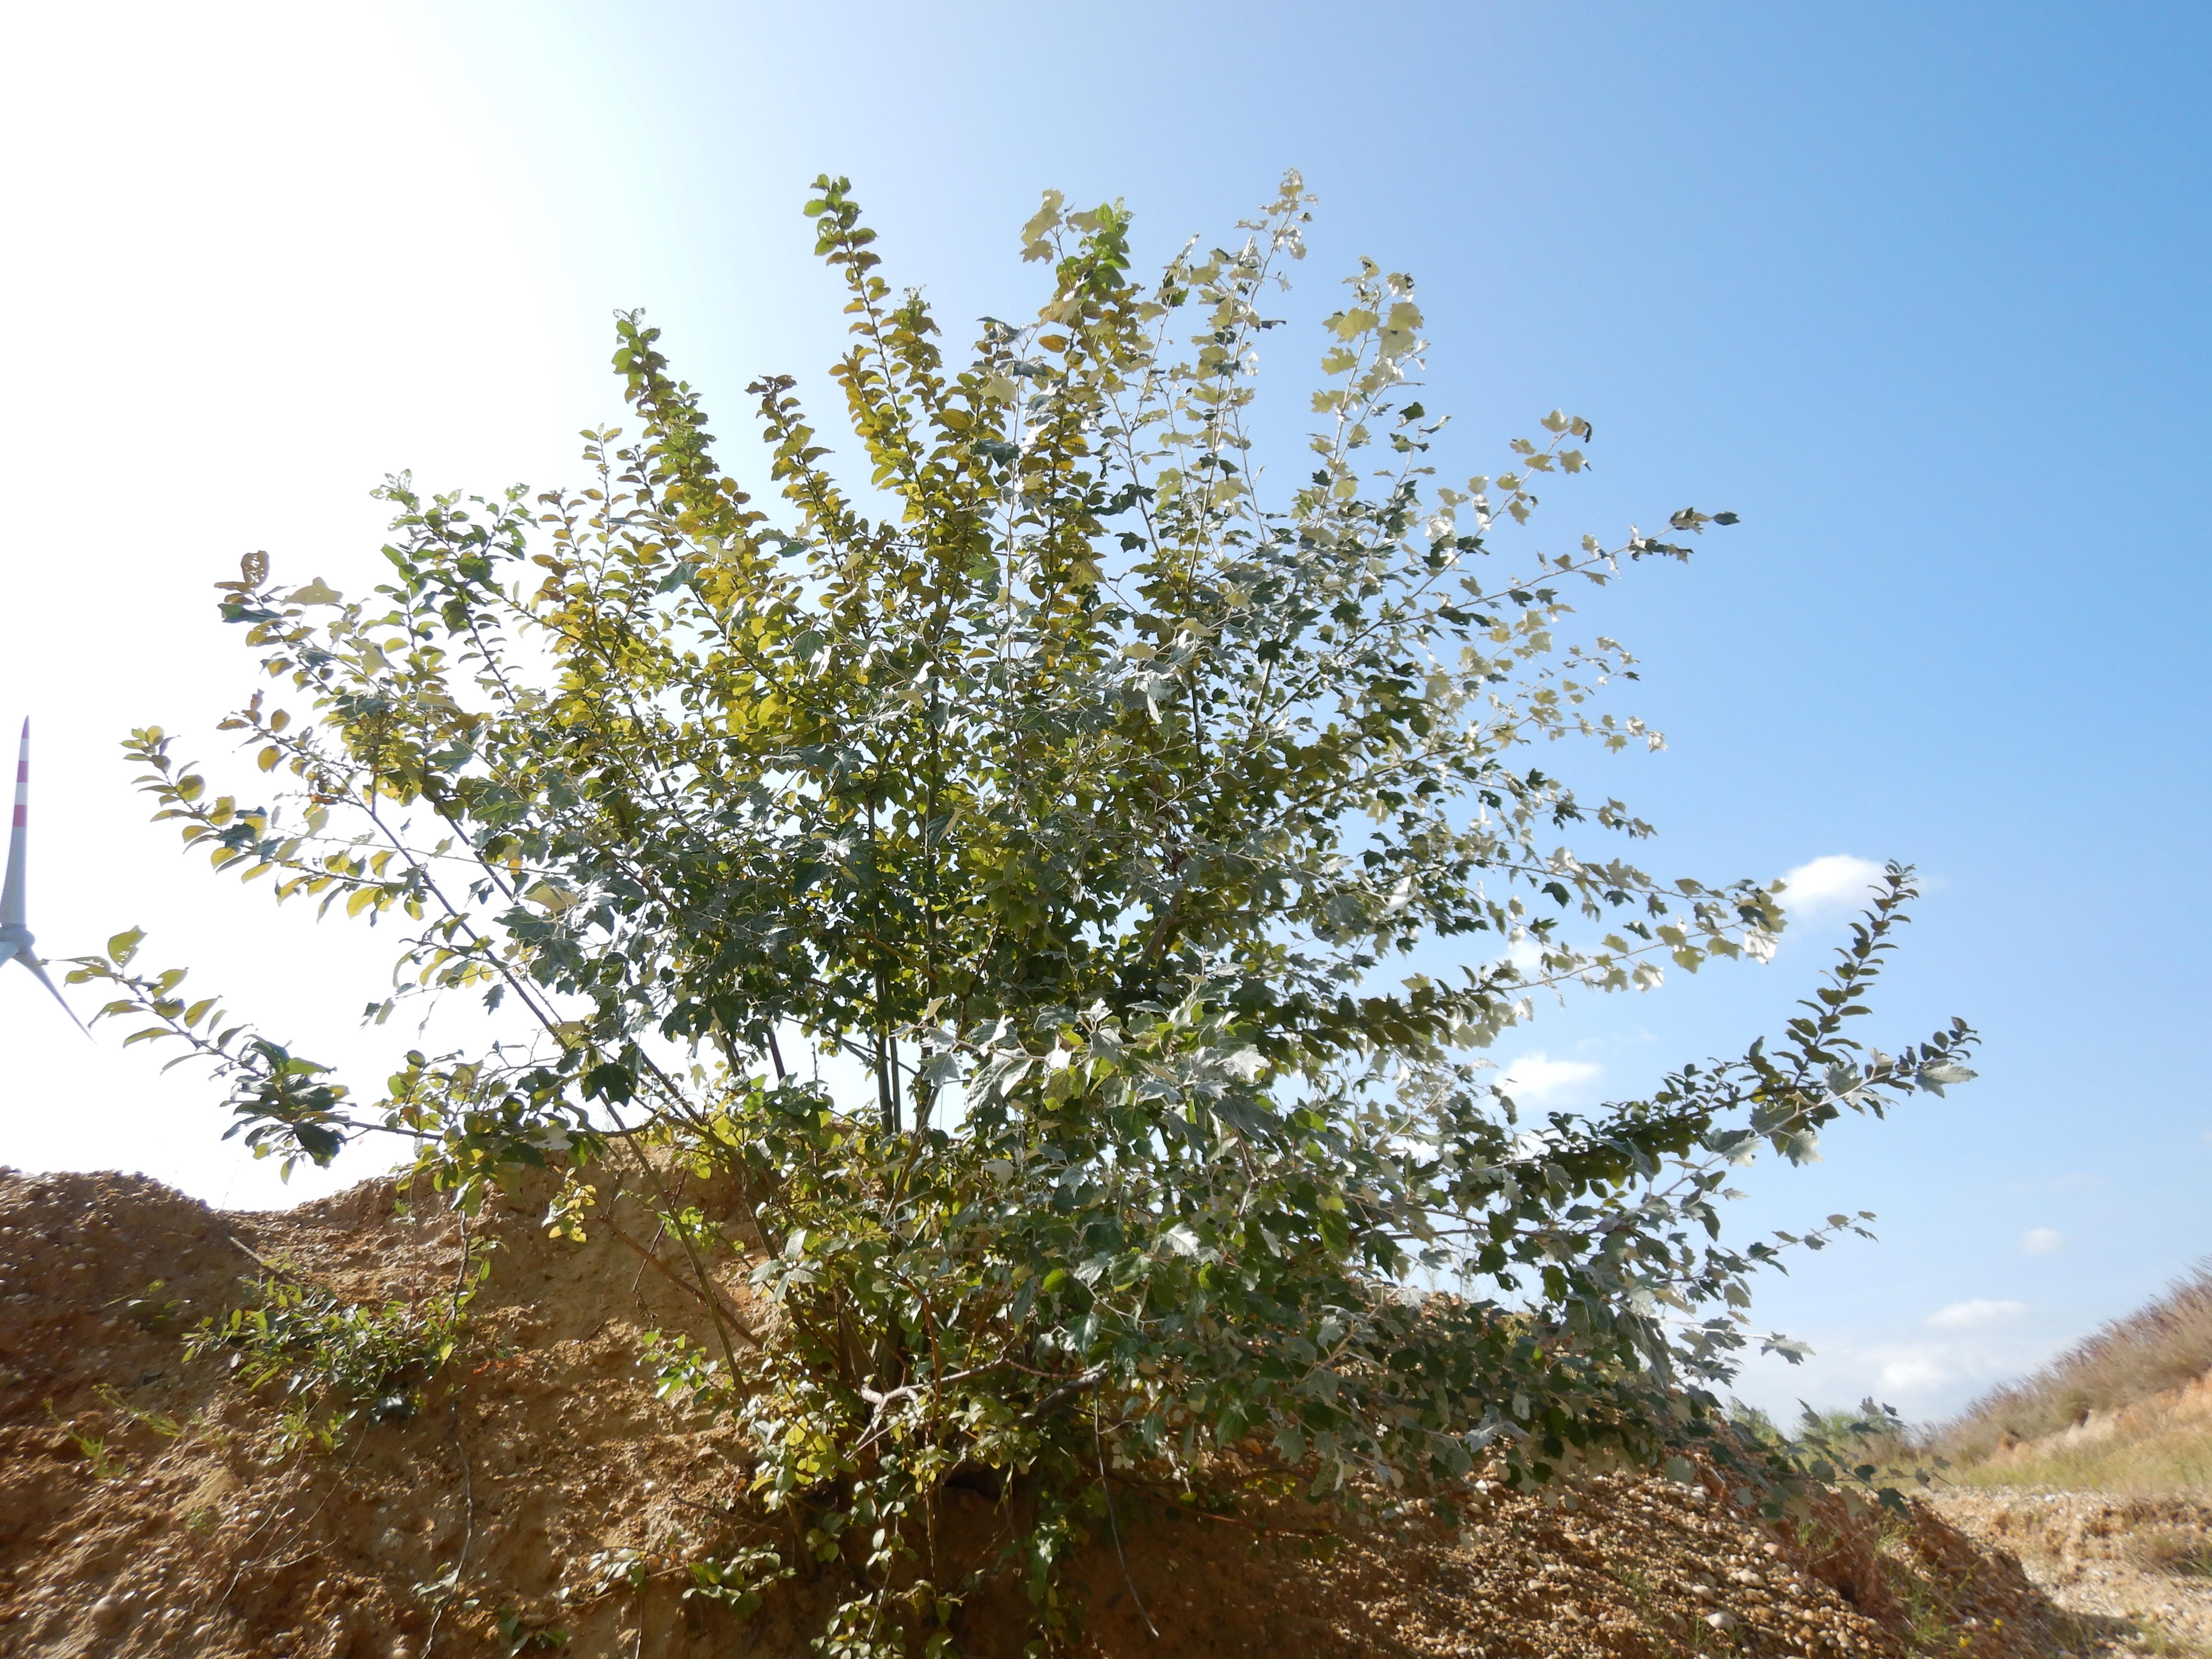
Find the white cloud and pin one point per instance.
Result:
(1526, 954)
(1829, 885)
(2041, 1241)
(1925, 1374)
(1535, 1077)
(1974, 1315)
(1909, 1372)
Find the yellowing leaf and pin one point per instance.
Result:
(1041, 226)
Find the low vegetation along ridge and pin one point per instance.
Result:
(1004, 939)
(2127, 1409)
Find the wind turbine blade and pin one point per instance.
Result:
(12, 920)
(11, 896)
(40, 969)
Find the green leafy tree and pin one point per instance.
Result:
(1083, 798)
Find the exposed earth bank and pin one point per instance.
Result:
(2144, 1563)
(537, 1496)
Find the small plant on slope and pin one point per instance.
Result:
(332, 1356)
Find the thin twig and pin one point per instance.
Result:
(276, 1514)
(359, 1443)
(468, 1528)
(1076, 1385)
(743, 1328)
(1113, 1526)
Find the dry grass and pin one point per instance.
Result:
(2159, 1457)
(2164, 1346)
(2121, 1393)
(2173, 1549)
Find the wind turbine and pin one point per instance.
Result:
(14, 932)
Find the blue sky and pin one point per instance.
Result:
(1915, 289)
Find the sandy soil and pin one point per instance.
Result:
(2089, 1551)
(543, 1499)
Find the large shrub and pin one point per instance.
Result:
(1083, 798)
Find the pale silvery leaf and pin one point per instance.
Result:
(1181, 1240)
(1937, 1073)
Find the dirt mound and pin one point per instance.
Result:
(2143, 1560)
(543, 1499)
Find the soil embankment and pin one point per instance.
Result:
(2140, 1561)
(543, 1499)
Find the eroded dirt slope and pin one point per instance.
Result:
(543, 1499)
(2136, 1560)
